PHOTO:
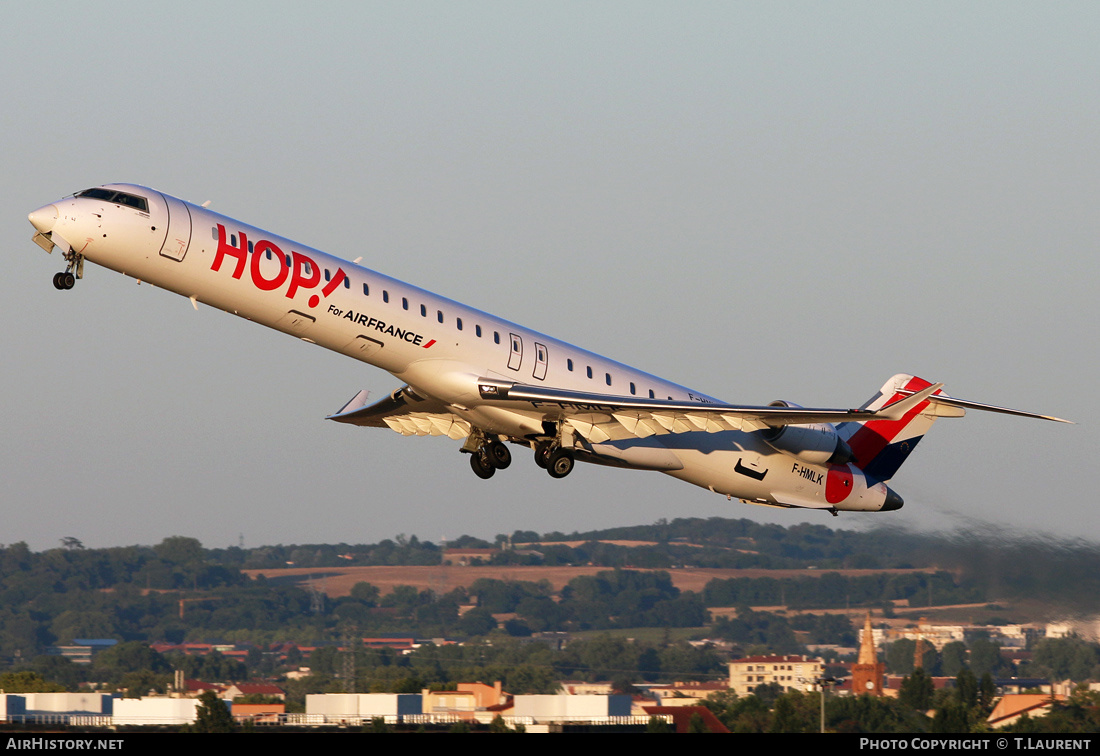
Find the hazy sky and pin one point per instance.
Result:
(757, 200)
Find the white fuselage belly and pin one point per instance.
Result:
(436, 345)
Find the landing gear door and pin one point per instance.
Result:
(179, 230)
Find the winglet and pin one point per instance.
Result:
(357, 402)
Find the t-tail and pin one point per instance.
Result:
(880, 447)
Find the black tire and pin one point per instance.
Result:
(498, 454)
(57, 281)
(68, 280)
(481, 467)
(542, 454)
(560, 464)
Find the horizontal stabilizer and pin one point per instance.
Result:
(964, 404)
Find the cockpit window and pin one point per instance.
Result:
(119, 198)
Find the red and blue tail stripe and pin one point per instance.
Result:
(880, 447)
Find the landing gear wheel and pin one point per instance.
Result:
(57, 284)
(560, 463)
(68, 280)
(542, 455)
(481, 465)
(498, 454)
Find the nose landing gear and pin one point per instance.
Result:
(74, 269)
(64, 280)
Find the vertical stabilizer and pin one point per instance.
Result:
(880, 447)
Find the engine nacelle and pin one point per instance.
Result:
(813, 443)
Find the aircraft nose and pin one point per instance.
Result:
(893, 501)
(44, 218)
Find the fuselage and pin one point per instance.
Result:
(439, 347)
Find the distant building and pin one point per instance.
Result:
(342, 707)
(396, 642)
(82, 649)
(936, 636)
(195, 688)
(486, 696)
(459, 703)
(868, 671)
(681, 717)
(1012, 707)
(581, 688)
(550, 708)
(238, 690)
(789, 671)
(686, 693)
(268, 713)
(155, 711)
(466, 557)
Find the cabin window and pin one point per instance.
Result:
(651, 394)
(439, 315)
(496, 337)
(404, 303)
(477, 330)
(328, 274)
(423, 311)
(632, 390)
(269, 255)
(366, 289)
(347, 282)
(589, 370)
(385, 296)
(569, 365)
(233, 240)
(250, 249)
(287, 259)
(607, 377)
(458, 322)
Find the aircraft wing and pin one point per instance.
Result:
(602, 417)
(405, 412)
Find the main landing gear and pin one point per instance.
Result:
(554, 459)
(488, 457)
(489, 454)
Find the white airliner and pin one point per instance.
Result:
(488, 382)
